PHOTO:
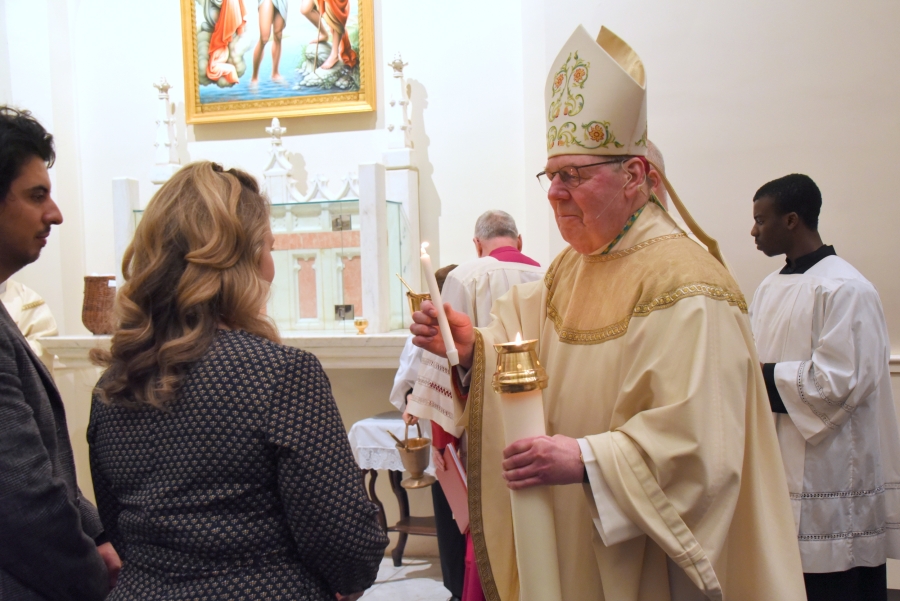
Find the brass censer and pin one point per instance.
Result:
(415, 299)
(415, 453)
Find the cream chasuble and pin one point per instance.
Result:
(651, 360)
(29, 311)
(825, 332)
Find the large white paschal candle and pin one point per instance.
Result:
(518, 380)
(434, 291)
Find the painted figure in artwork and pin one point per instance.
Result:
(229, 24)
(272, 20)
(335, 14)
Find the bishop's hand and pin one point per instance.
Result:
(428, 334)
(542, 460)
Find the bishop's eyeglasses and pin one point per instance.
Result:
(570, 176)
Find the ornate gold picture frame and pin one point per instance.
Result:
(258, 59)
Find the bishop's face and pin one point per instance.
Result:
(592, 214)
(770, 228)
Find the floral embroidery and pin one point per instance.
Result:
(643, 140)
(558, 81)
(568, 80)
(579, 74)
(566, 99)
(563, 136)
(597, 133)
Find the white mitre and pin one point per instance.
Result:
(596, 98)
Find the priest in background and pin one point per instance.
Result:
(822, 338)
(661, 453)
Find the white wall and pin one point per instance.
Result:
(743, 93)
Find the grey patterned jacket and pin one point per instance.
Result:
(47, 529)
(243, 488)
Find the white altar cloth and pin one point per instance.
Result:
(373, 447)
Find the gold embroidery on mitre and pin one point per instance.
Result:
(596, 90)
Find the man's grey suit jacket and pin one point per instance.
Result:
(47, 529)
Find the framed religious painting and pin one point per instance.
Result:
(258, 59)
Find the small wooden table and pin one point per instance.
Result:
(374, 450)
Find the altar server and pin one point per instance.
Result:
(823, 341)
(655, 398)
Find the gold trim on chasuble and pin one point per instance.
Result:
(704, 279)
(32, 305)
(475, 405)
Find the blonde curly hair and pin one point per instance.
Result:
(192, 268)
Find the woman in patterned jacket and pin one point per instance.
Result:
(221, 466)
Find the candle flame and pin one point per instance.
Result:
(424, 247)
(518, 337)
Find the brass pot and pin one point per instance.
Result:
(415, 453)
(415, 300)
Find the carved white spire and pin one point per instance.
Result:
(166, 159)
(279, 185)
(399, 126)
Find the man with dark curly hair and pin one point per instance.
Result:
(52, 544)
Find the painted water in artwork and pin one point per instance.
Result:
(266, 49)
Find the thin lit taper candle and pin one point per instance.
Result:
(452, 353)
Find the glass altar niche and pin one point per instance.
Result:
(318, 265)
(318, 284)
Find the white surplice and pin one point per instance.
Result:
(405, 378)
(474, 285)
(825, 331)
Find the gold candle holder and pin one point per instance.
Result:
(518, 368)
(519, 380)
